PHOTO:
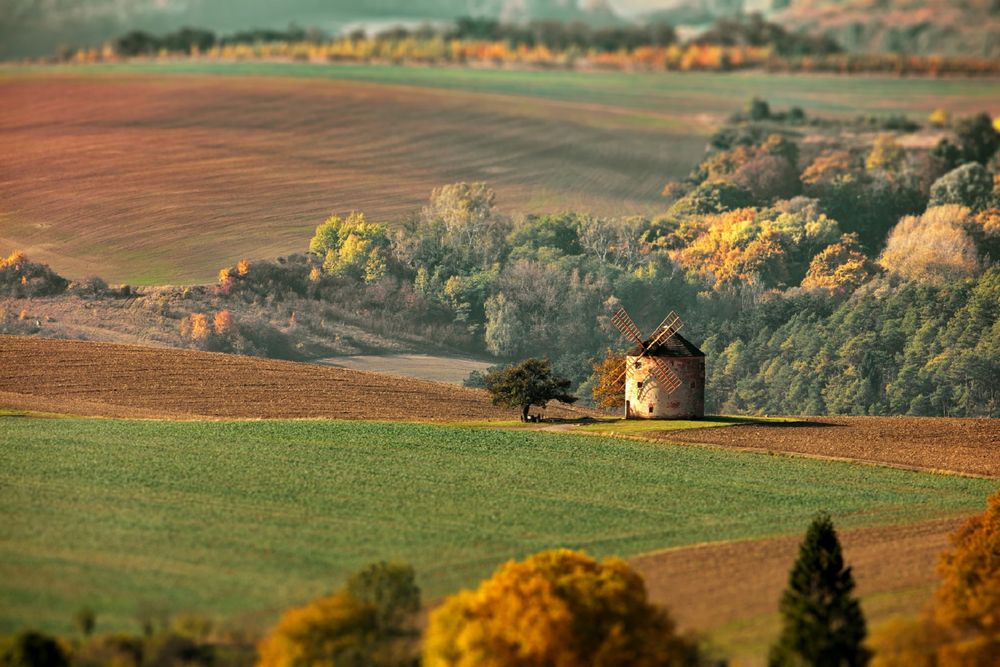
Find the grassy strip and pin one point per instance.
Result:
(229, 518)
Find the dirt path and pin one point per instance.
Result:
(970, 446)
(104, 379)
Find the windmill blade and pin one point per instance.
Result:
(670, 325)
(665, 376)
(627, 327)
(626, 370)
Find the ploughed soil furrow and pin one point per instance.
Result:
(969, 446)
(103, 379)
(156, 180)
(715, 584)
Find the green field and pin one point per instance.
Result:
(231, 518)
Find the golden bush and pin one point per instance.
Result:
(332, 630)
(559, 608)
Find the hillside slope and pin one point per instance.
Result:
(103, 379)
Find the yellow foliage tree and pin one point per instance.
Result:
(609, 388)
(333, 630)
(939, 118)
(886, 154)
(932, 247)
(840, 267)
(243, 268)
(558, 608)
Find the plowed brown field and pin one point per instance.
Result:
(155, 180)
(969, 446)
(738, 584)
(103, 379)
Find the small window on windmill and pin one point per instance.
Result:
(639, 384)
(650, 409)
(638, 364)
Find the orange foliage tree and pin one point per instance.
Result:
(223, 322)
(556, 608)
(962, 626)
(200, 329)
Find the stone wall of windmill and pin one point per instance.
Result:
(664, 374)
(645, 398)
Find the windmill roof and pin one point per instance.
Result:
(675, 346)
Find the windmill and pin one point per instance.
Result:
(661, 373)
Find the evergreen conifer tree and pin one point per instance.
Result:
(822, 623)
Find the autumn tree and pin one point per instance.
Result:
(223, 323)
(371, 621)
(332, 630)
(886, 154)
(840, 267)
(967, 604)
(932, 247)
(531, 382)
(609, 380)
(962, 625)
(822, 623)
(555, 608)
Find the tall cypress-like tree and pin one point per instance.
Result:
(822, 623)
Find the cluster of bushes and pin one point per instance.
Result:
(20, 277)
(562, 607)
(189, 640)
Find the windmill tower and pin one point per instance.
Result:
(664, 374)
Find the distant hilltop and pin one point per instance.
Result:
(32, 28)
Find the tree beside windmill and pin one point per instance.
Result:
(664, 374)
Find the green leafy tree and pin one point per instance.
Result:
(977, 138)
(531, 382)
(392, 589)
(969, 185)
(822, 623)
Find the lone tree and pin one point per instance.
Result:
(822, 623)
(531, 382)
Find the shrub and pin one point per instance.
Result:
(20, 277)
(392, 589)
(114, 650)
(556, 608)
(29, 648)
(969, 185)
(822, 623)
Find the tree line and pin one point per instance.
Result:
(730, 43)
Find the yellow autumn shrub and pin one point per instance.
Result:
(559, 608)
